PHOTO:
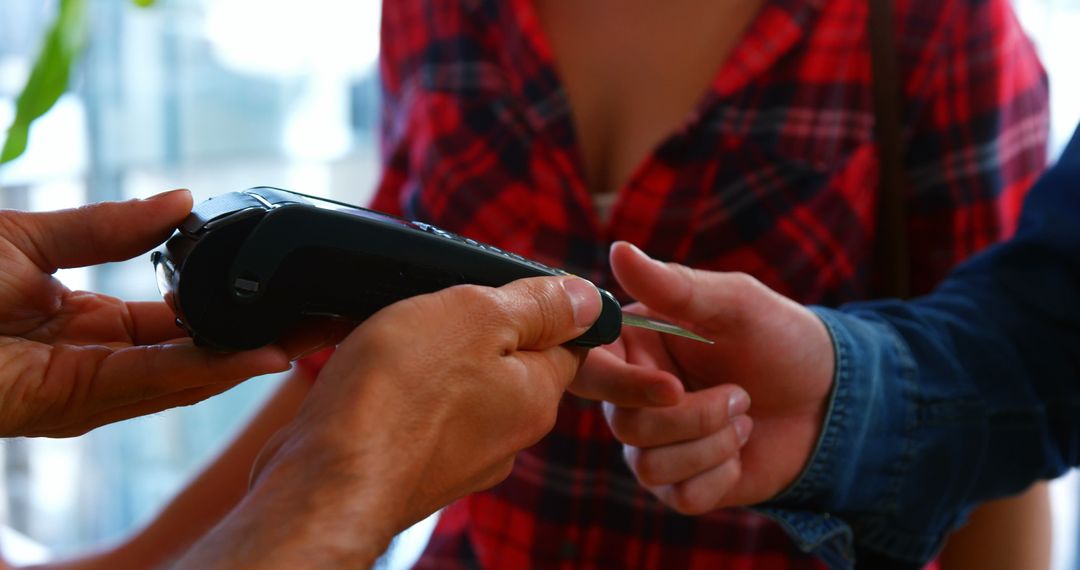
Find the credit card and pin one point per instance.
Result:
(660, 326)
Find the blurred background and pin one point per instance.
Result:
(215, 96)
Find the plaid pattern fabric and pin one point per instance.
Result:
(775, 175)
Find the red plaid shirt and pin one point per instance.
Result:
(775, 175)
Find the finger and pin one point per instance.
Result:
(139, 373)
(702, 493)
(548, 311)
(183, 398)
(153, 322)
(671, 464)
(98, 233)
(558, 363)
(698, 415)
(312, 335)
(609, 378)
(702, 297)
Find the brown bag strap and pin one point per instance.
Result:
(892, 263)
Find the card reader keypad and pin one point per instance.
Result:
(489, 248)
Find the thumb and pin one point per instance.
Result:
(679, 292)
(548, 311)
(98, 233)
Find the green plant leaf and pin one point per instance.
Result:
(48, 80)
(144, 3)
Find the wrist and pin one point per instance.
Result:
(304, 511)
(867, 412)
(857, 463)
(337, 520)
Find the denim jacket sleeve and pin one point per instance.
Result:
(969, 393)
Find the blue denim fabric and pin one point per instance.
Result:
(967, 394)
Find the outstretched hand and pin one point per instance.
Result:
(428, 400)
(71, 361)
(704, 451)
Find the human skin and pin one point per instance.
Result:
(615, 62)
(775, 352)
(705, 453)
(425, 402)
(71, 361)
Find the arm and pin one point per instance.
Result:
(426, 401)
(924, 408)
(977, 380)
(207, 498)
(404, 418)
(978, 139)
(1003, 534)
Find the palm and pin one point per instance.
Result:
(84, 318)
(58, 347)
(55, 367)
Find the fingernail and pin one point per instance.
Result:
(170, 193)
(637, 250)
(585, 300)
(738, 403)
(743, 425)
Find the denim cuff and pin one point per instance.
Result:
(857, 470)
